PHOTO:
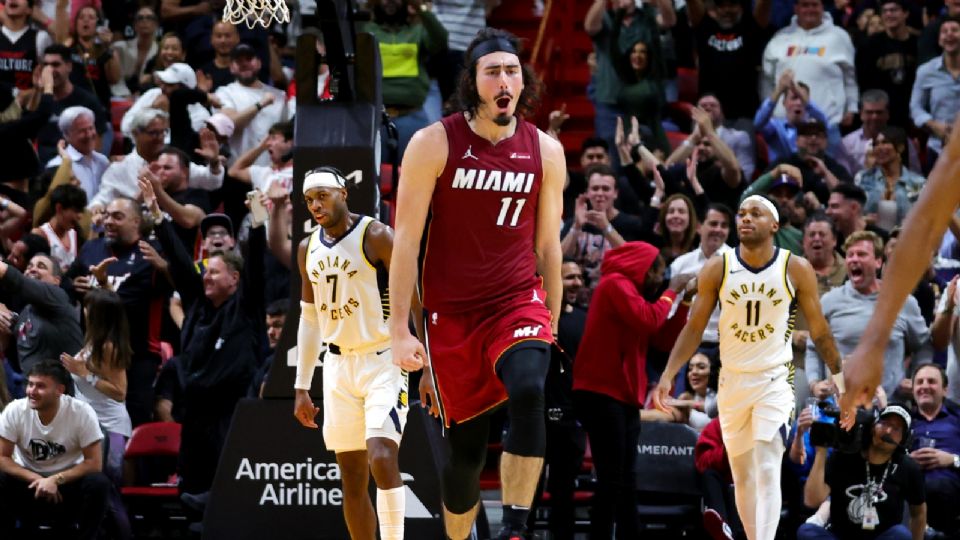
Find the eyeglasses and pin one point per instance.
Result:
(53, 64)
(157, 133)
(146, 17)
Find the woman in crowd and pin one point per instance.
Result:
(697, 405)
(99, 373)
(677, 225)
(171, 52)
(96, 65)
(891, 187)
(137, 51)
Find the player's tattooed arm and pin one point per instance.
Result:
(808, 297)
(378, 247)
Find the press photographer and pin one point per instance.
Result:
(869, 485)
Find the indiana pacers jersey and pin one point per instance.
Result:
(757, 310)
(349, 293)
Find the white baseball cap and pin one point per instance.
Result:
(178, 73)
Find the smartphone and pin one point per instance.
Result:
(258, 211)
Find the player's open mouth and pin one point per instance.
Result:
(503, 102)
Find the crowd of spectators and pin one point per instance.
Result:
(135, 279)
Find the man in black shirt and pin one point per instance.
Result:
(730, 42)
(65, 94)
(142, 289)
(224, 37)
(566, 440)
(867, 489)
(187, 206)
(889, 61)
(597, 225)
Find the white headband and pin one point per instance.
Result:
(765, 203)
(322, 179)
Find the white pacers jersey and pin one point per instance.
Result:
(757, 311)
(349, 293)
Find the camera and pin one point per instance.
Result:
(829, 433)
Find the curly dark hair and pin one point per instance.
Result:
(468, 98)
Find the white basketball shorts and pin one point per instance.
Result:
(754, 406)
(364, 396)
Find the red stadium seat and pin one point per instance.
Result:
(676, 139)
(687, 85)
(153, 499)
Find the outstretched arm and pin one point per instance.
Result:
(708, 288)
(922, 230)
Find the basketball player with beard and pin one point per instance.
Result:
(483, 190)
(758, 286)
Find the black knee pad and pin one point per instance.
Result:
(523, 370)
(460, 481)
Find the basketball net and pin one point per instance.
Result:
(254, 12)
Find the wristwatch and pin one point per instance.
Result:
(92, 379)
(956, 461)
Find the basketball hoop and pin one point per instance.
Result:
(254, 12)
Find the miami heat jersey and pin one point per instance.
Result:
(757, 311)
(349, 293)
(479, 242)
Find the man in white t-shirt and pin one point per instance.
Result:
(253, 106)
(279, 146)
(51, 458)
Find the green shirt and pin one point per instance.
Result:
(643, 27)
(404, 51)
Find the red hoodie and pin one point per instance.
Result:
(710, 453)
(621, 323)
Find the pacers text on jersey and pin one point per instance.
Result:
(333, 269)
(752, 296)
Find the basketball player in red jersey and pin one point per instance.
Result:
(922, 231)
(483, 189)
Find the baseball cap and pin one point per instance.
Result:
(178, 73)
(242, 51)
(212, 220)
(811, 126)
(898, 411)
(785, 180)
(221, 124)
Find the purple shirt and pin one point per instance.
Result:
(945, 430)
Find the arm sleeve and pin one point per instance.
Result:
(88, 428)
(108, 182)
(761, 120)
(758, 187)
(850, 78)
(308, 345)
(186, 279)
(202, 178)
(918, 105)
(633, 308)
(918, 333)
(126, 124)
(435, 35)
(709, 452)
(42, 296)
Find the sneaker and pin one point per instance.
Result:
(716, 527)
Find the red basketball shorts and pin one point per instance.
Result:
(464, 349)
